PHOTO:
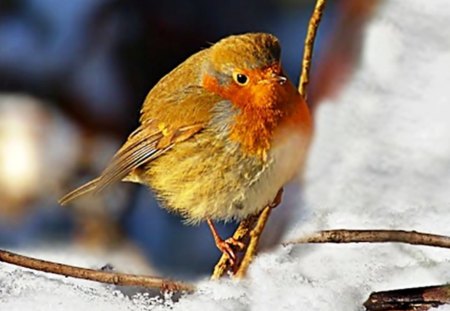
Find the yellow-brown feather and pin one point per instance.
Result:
(221, 151)
(203, 178)
(178, 99)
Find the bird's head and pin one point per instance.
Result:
(246, 70)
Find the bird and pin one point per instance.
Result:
(219, 136)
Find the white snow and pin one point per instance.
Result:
(380, 159)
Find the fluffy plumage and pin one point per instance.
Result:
(210, 146)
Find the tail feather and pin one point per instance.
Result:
(86, 188)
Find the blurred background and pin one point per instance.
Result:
(73, 75)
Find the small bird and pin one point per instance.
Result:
(219, 135)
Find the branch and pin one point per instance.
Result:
(252, 248)
(309, 46)
(94, 275)
(241, 234)
(374, 236)
(409, 299)
(249, 233)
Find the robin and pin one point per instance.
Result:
(219, 135)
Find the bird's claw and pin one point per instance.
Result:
(229, 248)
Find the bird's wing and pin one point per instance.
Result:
(168, 121)
(143, 145)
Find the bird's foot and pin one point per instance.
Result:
(229, 248)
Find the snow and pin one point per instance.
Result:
(380, 159)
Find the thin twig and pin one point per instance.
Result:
(326, 236)
(255, 235)
(374, 236)
(409, 299)
(241, 234)
(309, 46)
(94, 275)
(249, 233)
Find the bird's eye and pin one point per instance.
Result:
(240, 78)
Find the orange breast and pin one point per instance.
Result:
(263, 109)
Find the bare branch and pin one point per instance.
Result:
(409, 299)
(374, 236)
(241, 234)
(249, 233)
(252, 248)
(309, 46)
(94, 275)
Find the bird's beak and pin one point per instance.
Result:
(277, 78)
(280, 79)
(274, 74)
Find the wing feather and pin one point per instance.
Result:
(175, 109)
(140, 148)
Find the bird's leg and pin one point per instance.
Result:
(246, 231)
(226, 246)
